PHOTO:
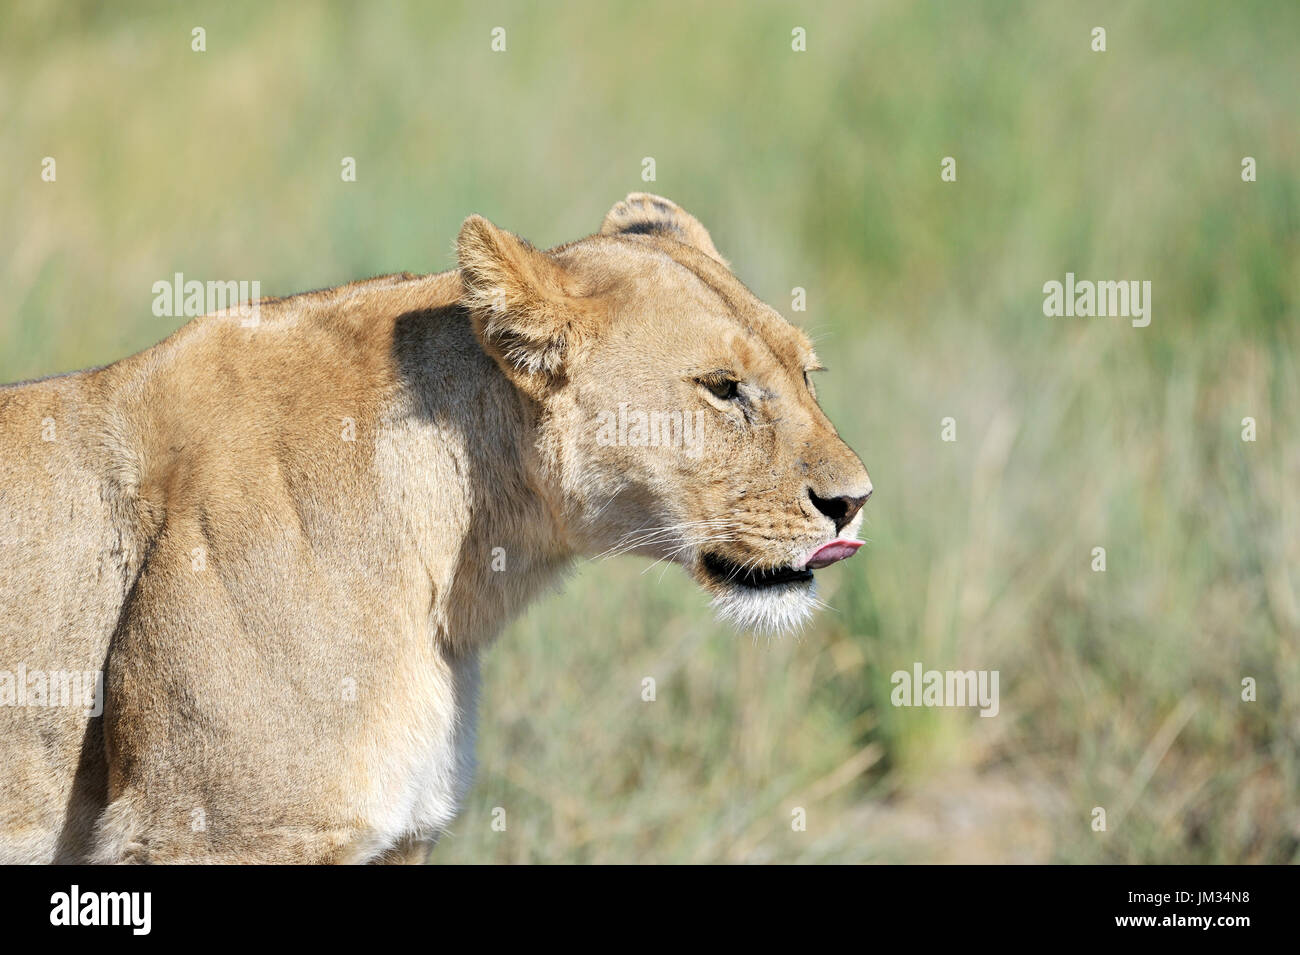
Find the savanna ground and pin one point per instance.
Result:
(819, 170)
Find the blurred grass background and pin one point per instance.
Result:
(820, 170)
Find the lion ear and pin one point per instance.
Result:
(527, 311)
(643, 213)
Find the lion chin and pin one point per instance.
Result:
(773, 611)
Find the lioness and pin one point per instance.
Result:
(284, 543)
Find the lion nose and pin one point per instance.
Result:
(840, 509)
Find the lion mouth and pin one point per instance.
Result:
(725, 571)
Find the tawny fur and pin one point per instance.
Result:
(279, 542)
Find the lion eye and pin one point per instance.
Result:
(722, 387)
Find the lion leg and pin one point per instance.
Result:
(410, 851)
(127, 836)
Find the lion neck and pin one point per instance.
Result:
(463, 463)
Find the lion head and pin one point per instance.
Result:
(676, 413)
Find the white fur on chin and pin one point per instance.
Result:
(774, 611)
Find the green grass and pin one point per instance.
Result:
(819, 170)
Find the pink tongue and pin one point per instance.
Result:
(830, 553)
